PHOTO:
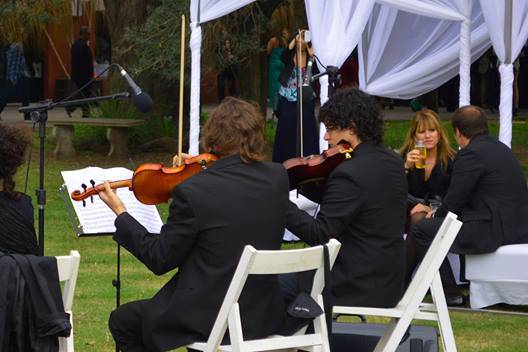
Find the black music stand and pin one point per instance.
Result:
(39, 114)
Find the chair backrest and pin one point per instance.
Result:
(265, 262)
(68, 267)
(434, 257)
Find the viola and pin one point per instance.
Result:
(153, 183)
(315, 168)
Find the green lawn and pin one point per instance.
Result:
(95, 295)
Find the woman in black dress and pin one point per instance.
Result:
(17, 232)
(426, 185)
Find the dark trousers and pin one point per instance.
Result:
(226, 76)
(8, 90)
(424, 233)
(125, 326)
(87, 92)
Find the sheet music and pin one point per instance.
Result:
(96, 217)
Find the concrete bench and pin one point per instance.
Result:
(116, 133)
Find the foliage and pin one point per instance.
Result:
(156, 43)
(22, 20)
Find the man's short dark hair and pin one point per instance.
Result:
(352, 109)
(470, 121)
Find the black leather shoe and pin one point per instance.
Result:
(457, 300)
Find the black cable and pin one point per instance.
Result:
(29, 158)
(320, 63)
(86, 85)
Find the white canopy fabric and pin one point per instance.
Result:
(203, 11)
(406, 47)
(507, 23)
(393, 65)
(327, 21)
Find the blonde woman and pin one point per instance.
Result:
(428, 185)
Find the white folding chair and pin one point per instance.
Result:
(68, 267)
(411, 305)
(253, 262)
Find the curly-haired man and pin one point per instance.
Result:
(363, 205)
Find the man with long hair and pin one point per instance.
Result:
(239, 200)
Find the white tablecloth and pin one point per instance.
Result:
(499, 277)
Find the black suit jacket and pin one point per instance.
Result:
(363, 206)
(488, 192)
(212, 217)
(81, 62)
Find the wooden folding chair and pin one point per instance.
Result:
(68, 267)
(411, 306)
(254, 262)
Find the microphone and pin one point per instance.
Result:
(307, 91)
(141, 99)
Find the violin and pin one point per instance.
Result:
(152, 183)
(315, 168)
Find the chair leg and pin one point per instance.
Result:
(235, 329)
(444, 323)
(321, 328)
(393, 335)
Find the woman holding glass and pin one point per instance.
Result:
(428, 164)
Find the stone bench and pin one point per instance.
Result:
(116, 134)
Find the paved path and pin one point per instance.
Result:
(11, 114)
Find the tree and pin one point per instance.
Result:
(28, 19)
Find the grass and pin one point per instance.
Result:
(95, 295)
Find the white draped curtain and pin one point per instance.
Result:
(507, 22)
(406, 51)
(335, 28)
(203, 11)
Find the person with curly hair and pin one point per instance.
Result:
(17, 231)
(363, 205)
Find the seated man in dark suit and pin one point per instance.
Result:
(487, 191)
(363, 205)
(239, 200)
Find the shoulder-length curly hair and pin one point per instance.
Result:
(421, 121)
(13, 143)
(235, 127)
(352, 109)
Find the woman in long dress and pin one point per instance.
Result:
(286, 136)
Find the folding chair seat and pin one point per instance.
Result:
(411, 306)
(68, 267)
(256, 262)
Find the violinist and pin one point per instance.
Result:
(363, 205)
(211, 219)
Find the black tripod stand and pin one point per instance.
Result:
(39, 114)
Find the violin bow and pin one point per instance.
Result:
(182, 72)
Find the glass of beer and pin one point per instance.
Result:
(420, 164)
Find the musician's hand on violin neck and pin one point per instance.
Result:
(111, 199)
(176, 160)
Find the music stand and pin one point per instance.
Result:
(79, 231)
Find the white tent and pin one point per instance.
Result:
(406, 47)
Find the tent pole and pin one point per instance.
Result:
(508, 8)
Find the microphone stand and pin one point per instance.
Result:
(39, 114)
(300, 142)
